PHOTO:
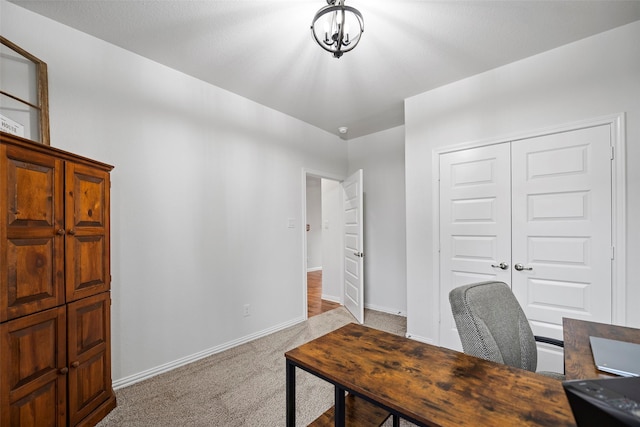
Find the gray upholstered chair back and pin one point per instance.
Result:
(492, 325)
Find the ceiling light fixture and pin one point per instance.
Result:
(337, 28)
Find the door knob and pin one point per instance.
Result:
(502, 265)
(521, 267)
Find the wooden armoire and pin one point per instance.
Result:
(55, 349)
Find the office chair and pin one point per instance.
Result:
(493, 326)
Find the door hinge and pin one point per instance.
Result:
(613, 252)
(613, 152)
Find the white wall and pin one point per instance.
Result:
(314, 220)
(204, 186)
(381, 157)
(595, 77)
(332, 241)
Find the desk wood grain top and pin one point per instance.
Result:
(433, 385)
(578, 358)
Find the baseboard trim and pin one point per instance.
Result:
(310, 269)
(419, 338)
(149, 373)
(386, 310)
(331, 298)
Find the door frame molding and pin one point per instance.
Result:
(618, 203)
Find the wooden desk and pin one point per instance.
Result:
(427, 385)
(578, 359)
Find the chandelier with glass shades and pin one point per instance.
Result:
(337, 28)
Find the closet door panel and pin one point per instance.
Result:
(554, 196)
(562, 227)
(475, 224)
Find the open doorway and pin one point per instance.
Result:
(342, 240)
(323, 236)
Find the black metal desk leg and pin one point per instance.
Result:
(396, 421)
(339, 407)
(291, 394)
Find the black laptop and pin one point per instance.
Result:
(611, 402)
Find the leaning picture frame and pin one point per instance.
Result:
(24, 99)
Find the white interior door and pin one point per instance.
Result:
(562, 231)
(475, 224)
(353, 246)
(556, 203)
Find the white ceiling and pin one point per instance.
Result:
(263, 49)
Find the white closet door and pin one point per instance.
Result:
(475, 224)
(561, 195)
(544, 204)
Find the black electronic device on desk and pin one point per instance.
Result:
(610, 402)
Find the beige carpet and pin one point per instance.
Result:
(243, 386)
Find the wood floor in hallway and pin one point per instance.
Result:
(315, 304)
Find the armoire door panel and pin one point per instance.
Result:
(34, 183)
(88, 325)
(34, 208)
(89, 354)
(33, 275)
(90, 387)
(87, 191)
(37, 409)
(31, 357)
(87, 223)
(86, 272)
(31, 248)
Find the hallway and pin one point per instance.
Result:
(315, 304)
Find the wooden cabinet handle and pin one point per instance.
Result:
(63, 371)
(72, 231)
(75, 364)
(60, 232)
